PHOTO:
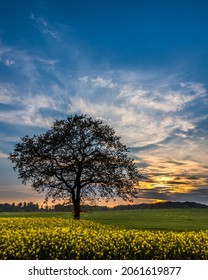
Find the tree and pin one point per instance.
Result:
(78, 159)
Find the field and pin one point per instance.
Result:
(130, 234)
(159, 219)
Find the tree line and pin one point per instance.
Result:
(19, 207)
(34, 207)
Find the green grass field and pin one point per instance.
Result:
(158, 219)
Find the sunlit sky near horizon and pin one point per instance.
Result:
(141, 66)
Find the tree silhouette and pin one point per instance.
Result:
(78, 159)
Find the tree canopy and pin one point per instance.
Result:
(78, 159)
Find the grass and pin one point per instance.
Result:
(159, 219)
(145, 219)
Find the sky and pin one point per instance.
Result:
(141, 66)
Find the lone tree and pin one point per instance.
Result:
(78, 159)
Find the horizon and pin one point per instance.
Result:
(141, 66)
(52, 205)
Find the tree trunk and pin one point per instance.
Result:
(76, 205)
(76, 199)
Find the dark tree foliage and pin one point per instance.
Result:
(23, 207)
(78, 159)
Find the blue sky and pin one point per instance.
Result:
(140, 65)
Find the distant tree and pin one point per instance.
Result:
(78, 159)
(31, 207)
(62, 208)
(19, 205)
(13, 207)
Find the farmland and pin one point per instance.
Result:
(145, 219)
(131, 234)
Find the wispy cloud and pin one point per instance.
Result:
(161, 99)
(132, 107)
(156, 115)
(8, 62)
(6, 56)
(7, 94)
(103, 83)
(132, 101)
(3, 155)
(45, 27)
(41, 101)
(197, 88)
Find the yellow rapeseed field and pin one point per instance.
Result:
(60, 238)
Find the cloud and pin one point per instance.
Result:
(32, 97)
(24, 68)
(45, 27)
(3, 155)
(145, 108)
(98, 82)
(28, 109)
(26, 117)
(132, 106)
(161, 100)
(84, 79)
(157, 116)
(41, 101)
(103, 83)
(9, 62)
(48, 61)
(5, 58)
(17, 193)
(196, 194)
(197, 88)
(6, 95)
